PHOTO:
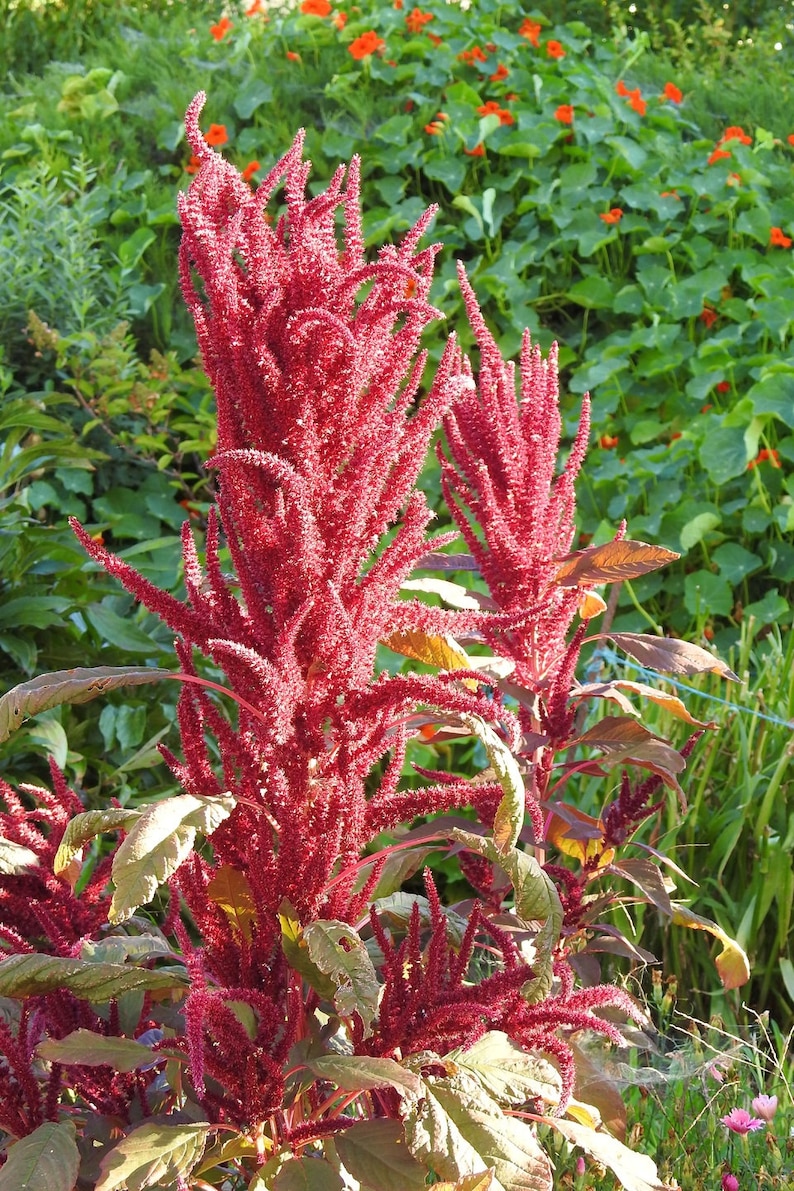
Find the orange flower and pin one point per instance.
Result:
(316, 8)
(778, 239)
(217, 135)
(434, 128)
(564, 113)
(764, 456)
(441, 116)
(491, 108)
(473, 55)
(608, 441)
(723, 386)
(436, 40)
(708, 316)
(220, 30)
(613, 216)
(398, 4)
(670, 194)
(734, 180)
(250, 170)
(718, 155)
(365, 45)
(637, 102)
(417, 19)
(292, 56)
(500, 73)
(622, 89)
(554, 49)
(340, 20)
(790, 138)
(531, 31)
(704, 409)
(735, 133)
(193, 165)
(477, 151)
(672, 92)
(257, 6)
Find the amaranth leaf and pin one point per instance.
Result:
(152, 1154)
(338, 951)
(46, 1160)
(31, 975)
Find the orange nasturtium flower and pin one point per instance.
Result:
(637, 102)
(436, 40)
(220, 30)
(257, 7)
(217, 135)
(340, 20)
(764, 456)
(564, 113)
(531, 31)
(672, 92)
(365, 45)
(193, 165)
(718, 155)
(554, 49)
(292, 56)
(613, 216)
(434, 128)
(608, 441)
(477, 151)
(249, 171)
(416, 19)
(622, 89)
(790, 138)
(475, 54)
(708, 316)
(500, 73)
(670, 194)
(722, 386)
(316, 8)
(735, 133)
(491, 108)
(778, 239)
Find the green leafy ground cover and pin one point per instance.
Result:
(676, 314)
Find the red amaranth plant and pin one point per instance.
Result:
(288, 990)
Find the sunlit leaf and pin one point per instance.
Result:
(611, 563)
(509, 818)
(578, 835)
(458, 1130)
(612, 690)
(395, 871)
(635, 1171)
(732, 963)
(229, 889)
(376, 1153)
(152, 1154)
(669, 655)
(68, 686)
(15, 858)
(506, 1071)
(443, 652)
(338, 951)
(469, 1182)
(647, 877)
(453, 594)
(81, 830)
(160, 841)
(591, 604)
(359, 1072)
(85, 1048)
(46, 1160)
(307, 1174)
(31, 975)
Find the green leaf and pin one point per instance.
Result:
(307, 1174)
(695, 530)
(631, 150)
(251, 96)
(771, 609)
(84, 1048)
(774, 394)
(536, 900)
(724, 454)
(296, 952)
(509, 818)
(592, 292)
(356, 1072)
(152, 1154)
(46, 1160)
(31, 975)
(457, 1129)
(132, 249)
(120, 631)
(755, 222)
(339, 952)
(160, 841)
(707, 594)
(507, 1072)
(375, 1153)
(68, 686)
(735, 562)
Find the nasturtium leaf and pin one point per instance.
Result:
(536, 900)
(458, 1129)
(152, 1154)
(707, 594)
(68, 686)
(375, 1153)
(45, 1160)
(82, 829)
(509, 818)
(307, 1174)
(635, 1171)
(251, 95)
(15, 858)
(611, 563)
(360, 1072)
(31, 975)
(85, 1048)
(723, 454)
(670, 656)
(506, 1071)
(159, 842)
(696, 530)
(732, 963)
(339, 952)
(229, 889)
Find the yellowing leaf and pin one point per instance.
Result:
(636, 1172)
(375, 1153)
(152, 1154)
(80, 831)
(443, 652)
(159, 842)
(578, 835)
(509, 818)
(591, 604)
(611, 563)
(230, 890)
(612, 690)
(732, 963)
(31, 975)
(469, 1182)
(15, 858)
(339, 952)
